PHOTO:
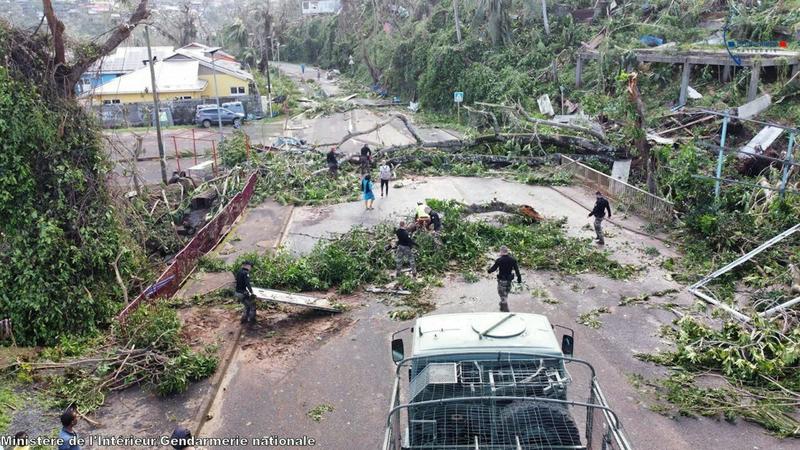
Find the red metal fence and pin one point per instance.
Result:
(204, 241)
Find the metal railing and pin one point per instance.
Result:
(630, 198)
(204, 241)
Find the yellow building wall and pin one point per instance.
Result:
(142, 98)
(224, 82)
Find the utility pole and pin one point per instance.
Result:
(269, 83)
(157, 116)
(216, 93)
(458, 22)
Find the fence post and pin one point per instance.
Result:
(214, 153)
(721, 157)
(787, 166)
(247, 145)
(177, 154)
(194, 147)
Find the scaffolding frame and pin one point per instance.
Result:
(698, 288)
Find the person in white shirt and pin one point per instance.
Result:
(386, 175)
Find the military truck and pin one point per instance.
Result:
(495, 381)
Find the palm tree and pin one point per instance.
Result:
(236, 33)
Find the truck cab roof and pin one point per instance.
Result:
(484, 333)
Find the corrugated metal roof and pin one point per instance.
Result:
(223, 66)
(128, 59)
(171, 76)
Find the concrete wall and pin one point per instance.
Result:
(182, 111)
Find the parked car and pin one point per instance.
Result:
(236, 107)
(211, 116)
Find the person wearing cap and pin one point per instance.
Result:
(333, 164)
(68, 437)
(599, 212)
(181, 439)
(244, 292)
(422, 217)
(506, 263)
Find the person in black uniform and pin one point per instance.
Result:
(599, 212)
(366, 157)
(244, 292)
(404, 254)
(506, 263)
(333, 164)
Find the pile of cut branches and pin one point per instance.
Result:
(149, 351)
(754, 372)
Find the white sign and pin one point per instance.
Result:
(458, 97)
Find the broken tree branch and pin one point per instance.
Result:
(549, 123)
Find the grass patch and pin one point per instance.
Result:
(592, 318)
(318, 412)
(8, 402)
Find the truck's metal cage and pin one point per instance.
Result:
(497, 401)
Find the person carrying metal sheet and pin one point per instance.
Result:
(244, 293)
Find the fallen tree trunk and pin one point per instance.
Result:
(575, 144)
(498, 206)
(488, 160)
(601, 137)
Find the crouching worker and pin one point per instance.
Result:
(404, 253)
(244, 292)
(423, 218)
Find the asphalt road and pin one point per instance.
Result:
(351, 369)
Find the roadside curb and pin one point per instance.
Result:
(199, 419)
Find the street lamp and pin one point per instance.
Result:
(216, 92)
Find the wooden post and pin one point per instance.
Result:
(726, 73)
(687, 69)
(755, 75)
(579, 72)
(544, 18)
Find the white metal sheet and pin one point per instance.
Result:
(294, 299)
(763, 139)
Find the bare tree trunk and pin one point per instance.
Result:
(641, 140)
(68, 76)
(57, 31)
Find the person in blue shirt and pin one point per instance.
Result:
(68, 436)
(366, 189)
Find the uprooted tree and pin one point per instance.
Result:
(62, 237)
(67, 73)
